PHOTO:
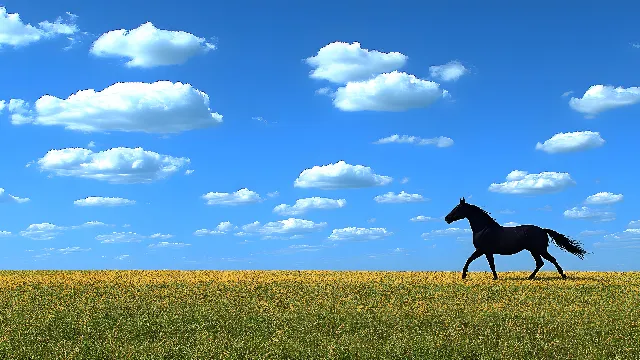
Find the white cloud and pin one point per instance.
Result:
(586, 233)
(325, 91)
(507, 212)
(165, 244)
(222, 228)
(521, 182)
(116, 165)
(395, 91)
(5, 233)
(103, 201)
(147, 46)
(450, 71)
(511, 223)
(586, 213)
(629, 238)
(404, 180)
(69, 250)
(446, 232)
(567, 93)
(440, 141)
(599, 98)
(120, 237)
(273, 194)
(634, 224)
(159, 107)
(291, 226)
(359, 234)
(303, 205)
(189, 172)
(43, 231)
(603, 198)
(402, 197)
(8, 198)
(14, 32)
(572, 141)
(240, 197)
(91, 144)
(340, 176)
(371, 221)
(422, 218)
(341, 62)
(160, 236)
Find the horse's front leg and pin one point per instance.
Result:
(476, 254)
(492, 265)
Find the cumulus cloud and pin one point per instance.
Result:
(240, 197)
(341, 62)
(159, 107)
(422, 218)
(450, 71)
(165, 244)
(222, 228)
(440, 141)
(395, 91)
(147, 46)
(570, 142)
(13, 32)
(586, 213)
(402, 197)
(521, 182)
(290, 226)
(103, 201)
(453, 231)
(8, 198)
(340, 176)
(303, 205)
(48, 231)
(359, 234)
(599, 98)
(117, 165)
(603, 198)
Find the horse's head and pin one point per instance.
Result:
(458, 213)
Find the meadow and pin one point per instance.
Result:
(318, 315)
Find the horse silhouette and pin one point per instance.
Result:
(491, 238)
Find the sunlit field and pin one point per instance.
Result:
(317, 315)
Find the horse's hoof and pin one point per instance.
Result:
(531, 277)
(464, 276)
(495, 278)
(564, 276)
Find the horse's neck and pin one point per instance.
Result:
(479, 220)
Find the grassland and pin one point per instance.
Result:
(317, 315)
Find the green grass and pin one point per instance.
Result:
(317, 315)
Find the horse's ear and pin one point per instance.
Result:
(462, 200)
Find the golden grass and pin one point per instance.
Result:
(318, 315)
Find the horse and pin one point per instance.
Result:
(491, 238)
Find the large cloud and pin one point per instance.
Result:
(340, 176)
(14, 32)
(440, 141)
(303, 205)
(586, 213)
(603, 198)
(572, 141)
(395, 91)
(103, 201)
(116, 165)
(401, 197)
(450, 71)
(341, 62)
(521, 182)
(147, 46)
(359, 234)
(159, 107)
(5, 198)
(240, 197)
(48, 231)
(599, 98)
(290, 226)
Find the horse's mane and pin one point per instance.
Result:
(476, 207)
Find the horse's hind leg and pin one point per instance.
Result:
(492, 265)
(550, 258)
(539, 264)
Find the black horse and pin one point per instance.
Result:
(491, 238)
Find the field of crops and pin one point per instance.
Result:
(317, 315)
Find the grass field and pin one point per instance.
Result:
(317, 315)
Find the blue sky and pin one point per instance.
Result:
(127, 145)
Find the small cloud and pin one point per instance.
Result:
(103, 201)
(422, 218)
(440, 141)
(604, 198)
(586, 213)
(122, 257)
(457, 232)
(222, 229)
(521, 182)
(404, 180)
(371, 221)
(273, 194)
(325, 91)
(165, 244)
(510, 224)
(451, 71)
(91, 144)
(587, 233)
(507, 212)
(240, 197)
(402, 197)
(189, 172)
(567, 93)
(359, 234)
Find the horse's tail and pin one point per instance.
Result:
(566, 243)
